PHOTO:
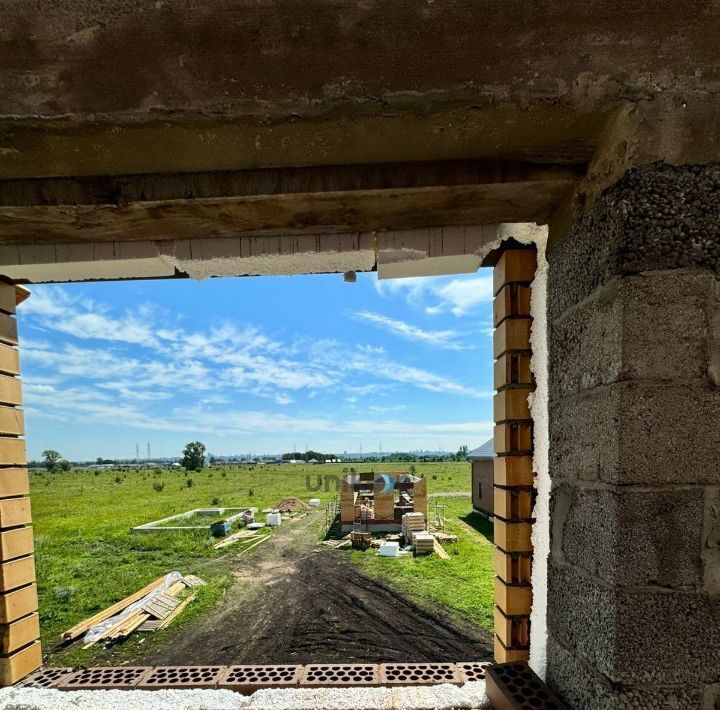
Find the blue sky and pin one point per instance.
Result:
(257, 365)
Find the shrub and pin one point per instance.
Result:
(434, 477)
(189, 482)
(224, 474)
(158, 486)
(215, 502)
(251, 493)
(118, 479)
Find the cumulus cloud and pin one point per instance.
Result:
(460, 295)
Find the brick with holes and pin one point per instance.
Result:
(112, 678)
(165, 677)
(340, 675)
(419, 674)
(472, 670)
(248, 679)
(515, 686)
(46, 678)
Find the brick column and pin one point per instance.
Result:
(634, 335)
(20, 651)
(513, 476)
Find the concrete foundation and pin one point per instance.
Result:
(634, 570)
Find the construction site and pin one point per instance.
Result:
(570, 149)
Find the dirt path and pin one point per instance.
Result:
(307, 606)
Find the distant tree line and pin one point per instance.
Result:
(307, 456)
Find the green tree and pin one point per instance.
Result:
(50, 459)
(462, 453)
(64, 465)
(194, 456)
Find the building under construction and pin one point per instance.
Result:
(377, 501)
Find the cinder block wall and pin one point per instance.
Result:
(634, 571)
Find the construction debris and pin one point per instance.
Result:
(290, 505)
(236, 537)
(360, 540)
(157, 601)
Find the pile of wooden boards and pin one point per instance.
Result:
(158, 610)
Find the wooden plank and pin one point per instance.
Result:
(8, 329)
(513, 568)
(19, 633)
(514, 266)
(12, 451)
(439, 550)
(16, 542)
(513, 470)
(14, 482)
(10, 390)
(10, 364)
(79, 629)
(20, 664)
(17, 573)
(17, 603)
(12, 421)
(512, 334)
(15, 511)
(513, 599)
(309, 213)
(8, 298)
(512, 536)
(512, 300)
(513, 437)
(512, 404)
(512, 368)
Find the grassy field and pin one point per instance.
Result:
(463, 583)
(87, 558)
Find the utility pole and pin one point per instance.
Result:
(137, 452)
(148, 451)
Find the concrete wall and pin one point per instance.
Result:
(482, 486)
(634, 570)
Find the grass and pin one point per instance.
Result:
(464, 583)
(87, 558)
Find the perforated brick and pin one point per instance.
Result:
(121, 678)
(471, 671)
(248, 679)
(46, 678)
(514, 686)
(182, 677)
(418, 673)
(340, 675)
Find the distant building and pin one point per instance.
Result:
(481, 460)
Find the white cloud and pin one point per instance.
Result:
(445, 339)
(457, 295)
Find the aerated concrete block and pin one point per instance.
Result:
(635, 636)
(583, 688)
(631, 538)
(654, 326)
(632, 433)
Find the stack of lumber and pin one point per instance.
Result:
(412, 523)
(424, 543)
(152, 603)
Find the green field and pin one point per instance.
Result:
(87, 558)
(463, 583)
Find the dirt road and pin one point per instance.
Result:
(308, 606)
